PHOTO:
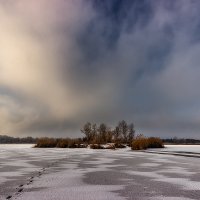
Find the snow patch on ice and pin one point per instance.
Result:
(169, 198)
(185, 183)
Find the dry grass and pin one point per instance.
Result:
(142, 143)
(60, 143)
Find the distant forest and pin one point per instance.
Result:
(176, 140)
(4, 139)
(92, 132)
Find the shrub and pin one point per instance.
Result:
(142, 143)
(154, 142)
(96, 146)
(46, 142)
(60, 143)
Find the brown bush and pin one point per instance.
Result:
(155, 142)
(63, 143)
(60, 143)
(96, 146)
(142, 143)
(46, 142)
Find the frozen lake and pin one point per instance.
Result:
(182, 148)
(83, 174)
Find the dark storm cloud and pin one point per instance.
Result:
(66, 62)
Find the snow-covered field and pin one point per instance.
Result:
(83, 174)
(182, 148)
(179, 150)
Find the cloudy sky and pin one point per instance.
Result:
(65, 62)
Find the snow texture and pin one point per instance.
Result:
(82, 174)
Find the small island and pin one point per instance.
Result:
(103, 137)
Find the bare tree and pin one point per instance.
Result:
(87, 130)
(123, 128)
(116, 133)
(109, 135)
(102, 132)
(94, 133)
(131, 133)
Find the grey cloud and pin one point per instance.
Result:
(66, 62)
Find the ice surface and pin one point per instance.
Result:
(69, 185)
(169, 198)
(183, 148)
(84, 174)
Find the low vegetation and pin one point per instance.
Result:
(103, 137)
(96, 137)
(96, 146)
(60, 143)
(142, 143)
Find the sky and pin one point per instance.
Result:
(66, 62)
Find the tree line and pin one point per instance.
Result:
(4, 139)
(96, 136)
(102, 134)
(176, 140)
